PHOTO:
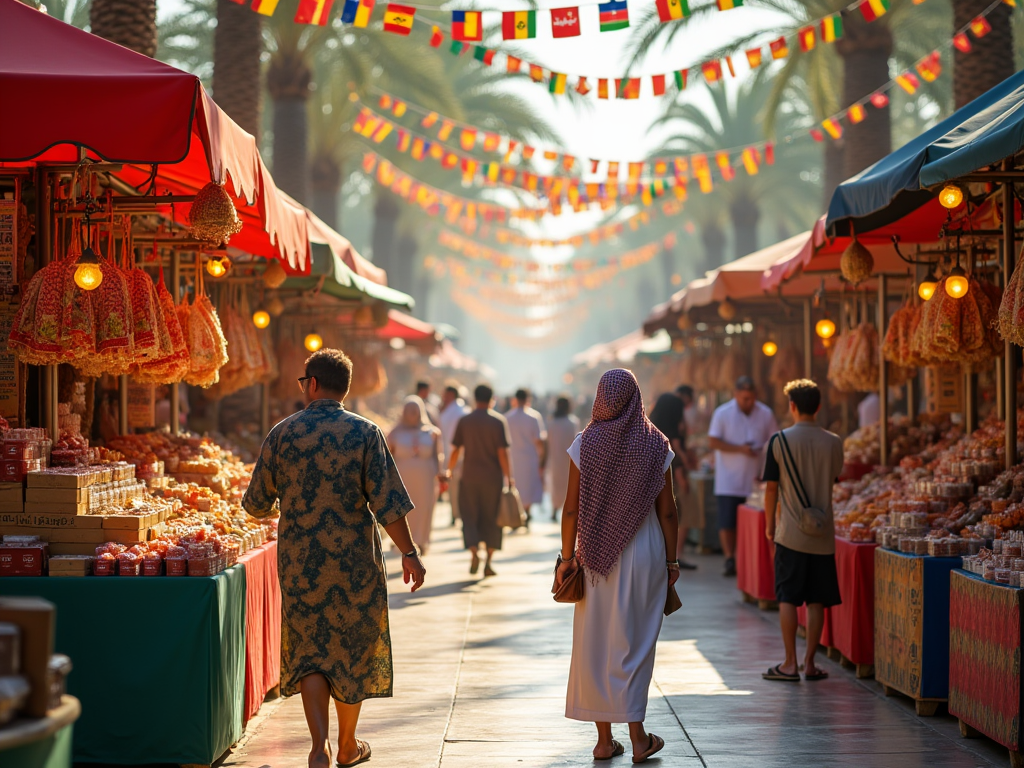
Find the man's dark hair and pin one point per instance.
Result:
(422, 385)
(685, 390)
(332, 370)
(563, 406)
(452, 389)
(483, 393)
(805, 395)
(522, 395)
(745, 384)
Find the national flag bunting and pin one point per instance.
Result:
(467, 26)
(751, 158)
(602, 88)
(565, 22)
(879, 100)
(418, 148)
(712, 71)
(447, 126)
(908, 82)
(404, 140)
(831, 28)
(264, 7)
(518, 25)
(613, 15)
(317, 12)
(769, 153)
(467, 139)
(581, 87)
(556, 84)
(780, 49)
(856, 113)
(873, 9)
(658, 84)
(962, 42)
(398, 108)
(807, 39)
(754, 58)
(680, 78)
(670, 10)
(483, 55)
(429, 120)
(536, 73)
(728, 64)
(728, 5)
(930, 67)
(817, 135)
(457, 48)
(724, 163)
(357, 12)
(980, 26)
(832, 127)
(627, 88)
(512, 64)
(398, 18)
(382, 131)
(436, 37)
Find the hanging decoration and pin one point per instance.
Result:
(212, 217)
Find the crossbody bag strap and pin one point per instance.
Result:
(794, 475)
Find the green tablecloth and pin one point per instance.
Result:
(159, 663)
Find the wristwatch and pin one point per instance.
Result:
(414, 553)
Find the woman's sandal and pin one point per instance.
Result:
(654, 746)
(776, 673)
(364, 755)
(818, 674)
(617, 749)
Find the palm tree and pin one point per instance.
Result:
(131, 23)
(989, 64)
(237, 46)
(736, 122)
(73, 12)
(859, 61)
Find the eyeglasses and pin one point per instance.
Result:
(303, 383)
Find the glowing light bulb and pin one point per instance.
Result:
(927, 287)
(313, 342)
(951, 196)
(769, 348)
(261, 318)
(218, 266)
(825, 328)
(956, 283)
(88, 273)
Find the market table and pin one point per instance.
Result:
(159, 663)
(262, 625)
(755, 558)
(850, 626)
(912, 626)
(985, 690)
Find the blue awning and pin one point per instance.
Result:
(979, 134)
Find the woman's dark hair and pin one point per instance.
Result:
(562, 407)
(483, 394)
(805, 395)
(332, 370)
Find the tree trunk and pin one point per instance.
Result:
(385, 216)
(325, 180)
(745, 215)
(237, 46)
(713, 239)
(865, 49)
(668, 271)
(833, 168)
(288, 80)
(131, 23)
(405, 249)
(991, 61)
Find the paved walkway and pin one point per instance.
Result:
(481, 668)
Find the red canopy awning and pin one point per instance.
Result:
(63, 88)
(407, 328)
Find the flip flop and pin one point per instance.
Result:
(617, 750)
(474, 564)
(819, 675)
(364, 755)
(776, 673)
(654, 746)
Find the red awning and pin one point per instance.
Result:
(407, 328)
(63, 88)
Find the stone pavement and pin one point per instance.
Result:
(481, 668)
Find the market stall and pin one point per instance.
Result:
(755, 558)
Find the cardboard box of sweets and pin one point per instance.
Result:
(23, 556)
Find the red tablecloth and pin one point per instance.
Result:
(755, 555)
(262, 625)
(850, 627)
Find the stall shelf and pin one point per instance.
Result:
(41, 743)
(912, 626)
(159, 663)
(755, 559)
(985, 644)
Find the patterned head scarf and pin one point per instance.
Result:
(622, 457)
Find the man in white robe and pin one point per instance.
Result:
(529, 438)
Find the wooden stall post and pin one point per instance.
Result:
(1010, 354)
(264, 408)
(883, 379)
(175, 294)
(44, 224)
(122, 404)
(807, 338)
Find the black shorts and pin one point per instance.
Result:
(803, 578)
(727, 506)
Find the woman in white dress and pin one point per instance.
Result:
(618, 521)
(416, 444)
(562, 430)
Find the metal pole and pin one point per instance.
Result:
(912, 398)
(122, 404)
(883, 379)
(807, 338)
(970, 401)
(175, 388)
(1000, 385)
(1010, 354)
(44, 225)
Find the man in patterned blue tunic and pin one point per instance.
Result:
(336, 482)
